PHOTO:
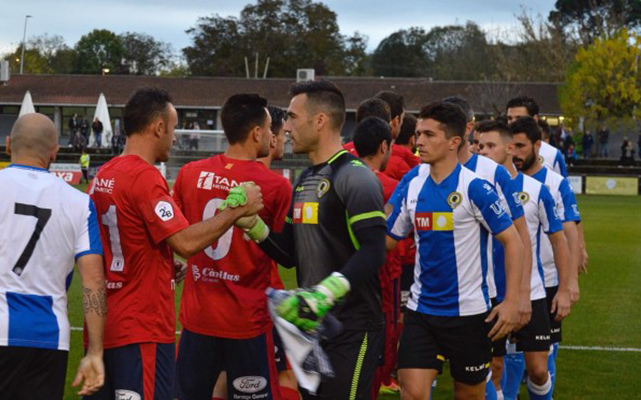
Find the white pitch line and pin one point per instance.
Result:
(581, 348)
(601, 348)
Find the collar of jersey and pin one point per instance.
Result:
(451, 176)
(29, 167)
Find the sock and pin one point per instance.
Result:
(288, 393)
(514, 368)
(432, 389)
(490, 390)
(543, 392)
(552, 362)
(499, 395)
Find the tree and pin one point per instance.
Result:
(292, 33)
(542, 52)
(98, 50)
(402, 54)
(605, 81)
(590, 19)
(143, 55)
(34, 61)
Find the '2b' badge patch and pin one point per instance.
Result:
(164, 211)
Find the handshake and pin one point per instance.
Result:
(248, 198)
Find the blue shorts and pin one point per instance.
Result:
(249, 363)
(140, 371)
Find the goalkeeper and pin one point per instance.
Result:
(335, 236)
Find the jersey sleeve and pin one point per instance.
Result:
(176, 191)
(504, 181)
(362, 194)
(88, 239)
(160, 213)
(550, 221)
(282, 201)
(490, 211)
(559, 163)
(399, 223)
(570, 207)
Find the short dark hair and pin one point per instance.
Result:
(144, 105)
(278, 118)
(496, 126)
(464, 104)
(373, 108)
(450, 116)
(524, 101)
(408, 130)
(325, 95)
(240, 114)
(369, 134)
(546, 131)
(528, 126)
(395, 101)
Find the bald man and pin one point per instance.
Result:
(45, 225)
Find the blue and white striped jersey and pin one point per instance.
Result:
(499, 177)
(541, 216)
(552, 158)
(44, 225)
(567, 210)
(451, 221)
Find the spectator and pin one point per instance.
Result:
(97, 129)
(73, 129)
(117, 139)
(84, 165)
(588, 141)
(568, 140)
(571, 155)
(627, 152)
(84, 129)
(604, 137)
(639, 144)
(194, 138)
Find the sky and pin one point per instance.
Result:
(167, 20)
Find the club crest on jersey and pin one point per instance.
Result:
(322, 187)
(541, 160)
(454, 199)
(523, 197)
(122, 394)
(164, 211)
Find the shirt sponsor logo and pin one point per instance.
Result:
(306, 213)
(211, 275)
(497, 208)
(438, 221)
(122, 394)
(103, 185)
(113, 285)
(250, 384)
(209, 181)
(164, 211)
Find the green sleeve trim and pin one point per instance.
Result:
(335, 156)
(368, 215)
(289, 220)
(357, 371)
(351, 232)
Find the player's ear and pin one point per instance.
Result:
(256, 134)
(320, 120)
(383, 148)
(8, 142)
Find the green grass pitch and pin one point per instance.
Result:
(607, 314)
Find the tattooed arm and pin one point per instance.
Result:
(94, 297)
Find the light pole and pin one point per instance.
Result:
(24, 37)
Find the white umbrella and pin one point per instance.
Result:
(27, 105)
(102, 113)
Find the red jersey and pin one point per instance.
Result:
(406, 154)
(350, 147)
(396, 167)
(224, 293)
(136, 214)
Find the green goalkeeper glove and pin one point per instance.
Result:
(237, 196)
(254, 227)
(305, 308)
